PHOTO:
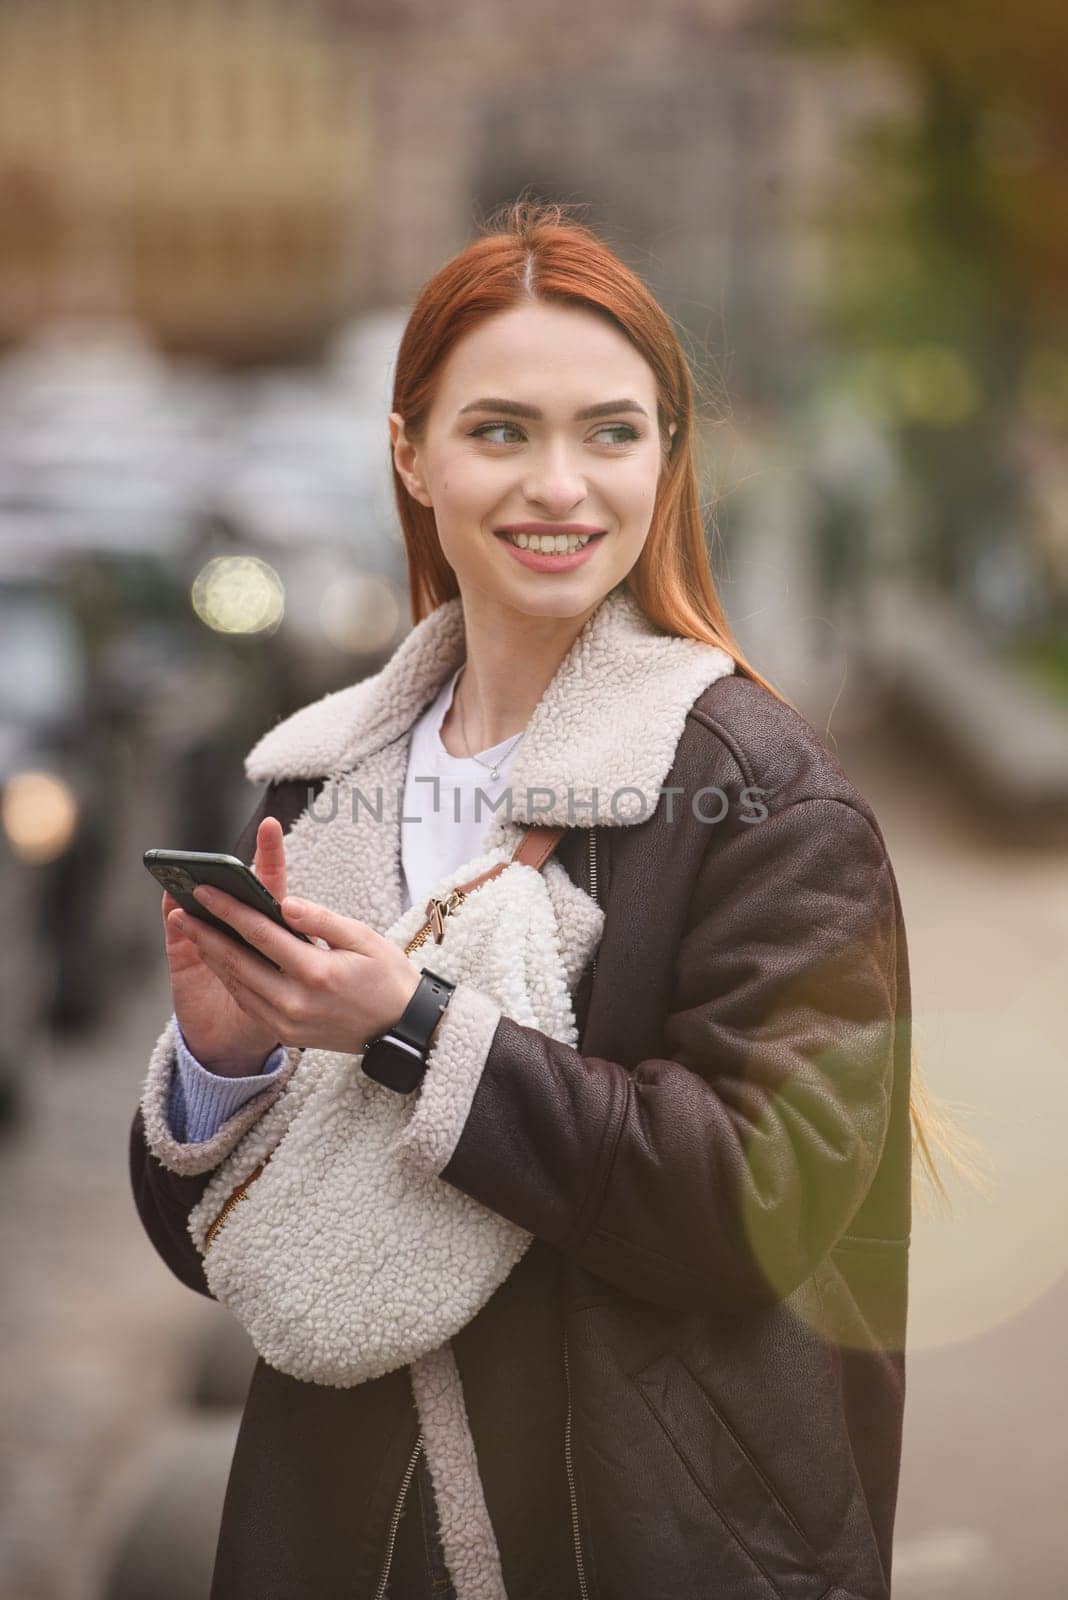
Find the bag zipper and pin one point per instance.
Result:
(383, 1578)
(238, 1194)
(438, 908)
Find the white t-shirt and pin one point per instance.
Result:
(448, 830)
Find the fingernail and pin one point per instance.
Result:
(295, 908)
(177, 919)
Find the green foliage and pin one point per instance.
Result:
(950, 248)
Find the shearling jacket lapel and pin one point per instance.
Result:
(599, 743)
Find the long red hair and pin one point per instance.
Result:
(534, 253)
(531, 250)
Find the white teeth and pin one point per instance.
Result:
(549, 543)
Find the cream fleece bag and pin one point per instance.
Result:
(348, 1256)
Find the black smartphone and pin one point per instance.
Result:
(179, 872)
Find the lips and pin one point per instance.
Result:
(538, 560)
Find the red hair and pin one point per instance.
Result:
(532, 252)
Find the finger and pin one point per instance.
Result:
(232, 965)
(256, 1007)
(340, 933)
(181, 952)
(281, 947)
(244, 984)
(171, 930)
(270, 861)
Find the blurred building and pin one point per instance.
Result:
(201, 167)
(241, 175)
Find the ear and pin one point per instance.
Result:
(406, 460)
(671, 431)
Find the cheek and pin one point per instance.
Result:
(635, 489)
(460, 484)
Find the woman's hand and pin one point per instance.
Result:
(222, 1036)
(335, 998)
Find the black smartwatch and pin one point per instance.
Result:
(398, 1057)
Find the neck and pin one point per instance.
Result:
(510, 660)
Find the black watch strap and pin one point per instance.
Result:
(398, 1057)
(420, 1016)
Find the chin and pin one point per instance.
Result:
(558, 597)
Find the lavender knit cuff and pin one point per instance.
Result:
(201, 1101)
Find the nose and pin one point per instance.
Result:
(553, 481)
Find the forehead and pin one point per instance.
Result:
(548, 354)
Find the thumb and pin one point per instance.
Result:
(269, 864)
(340, 933)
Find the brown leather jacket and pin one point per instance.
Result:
(693, 1382)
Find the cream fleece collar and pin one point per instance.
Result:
(608, 723)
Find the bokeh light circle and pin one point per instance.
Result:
(239, 594)
(39, 811)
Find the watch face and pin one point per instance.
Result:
(397, 1065)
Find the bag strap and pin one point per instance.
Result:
(533, 850)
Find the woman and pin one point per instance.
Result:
(692, 1383)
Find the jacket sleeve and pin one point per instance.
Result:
(719, 1174)
(165, 1195)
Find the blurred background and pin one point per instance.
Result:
(213, 217)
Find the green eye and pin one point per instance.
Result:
(489, 427)
(628, 433)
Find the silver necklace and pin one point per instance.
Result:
(492, 768)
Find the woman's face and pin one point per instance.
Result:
(545, 417)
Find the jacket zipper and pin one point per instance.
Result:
(395, 1519)
(592, 877)
(580, 1565)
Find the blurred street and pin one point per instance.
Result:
(95, 1329)
(215, 223)
(99, 1337)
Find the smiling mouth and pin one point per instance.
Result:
(550, 543)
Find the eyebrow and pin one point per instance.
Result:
(512, 408)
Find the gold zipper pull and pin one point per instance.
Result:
(437, 910)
